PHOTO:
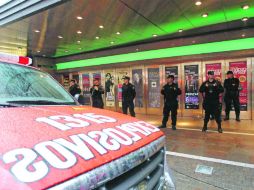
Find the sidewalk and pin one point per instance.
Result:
(245, 126)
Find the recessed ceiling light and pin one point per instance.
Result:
(97, 37)
(245, 7)
(180, 30)
(79, 17)
(37, 31)
(198, 3)
(60, 37)
(118, 33)
(101, 26)
(243, 35)
(78, 41)
(205, 15)
(155, 35)
(38, 51)
(79, 32)
(245, 19)
(112, 42)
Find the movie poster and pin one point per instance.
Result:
(240, 71)
(66, 82)
(97, 76)
(110, 88)
(76, 77)
(216, 68)
(121, 74)
(191, 86)
(154, 88)
(172, 71)
(137, 79)
(86, 88)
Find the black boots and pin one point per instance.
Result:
(162, 126)
(204, 128)
(219, 128)
(237, 117)
(226, 117)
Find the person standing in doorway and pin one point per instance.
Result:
(128, 95)
(170, 91)
(74, 88)
(96, 92)
(232, 87)
(211, 90)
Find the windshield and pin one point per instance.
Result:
(25, 86)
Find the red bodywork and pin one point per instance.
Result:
(20, 128)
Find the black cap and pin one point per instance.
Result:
(126, 78)
(230, 72)
(210, 73)
(171, 76)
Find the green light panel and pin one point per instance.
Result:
(213, 47)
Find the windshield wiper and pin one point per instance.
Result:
(8, 105)
(40, 102)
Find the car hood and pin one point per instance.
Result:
(46, 145)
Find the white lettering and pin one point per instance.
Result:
(77, 122)
(21, 168)
(125, 140)
(52, 158)
(103, 118)
(53, 123)
(77, 145)
(131, 130)
(104, 139)
(93, 143)
(87, 117)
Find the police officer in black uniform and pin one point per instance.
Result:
(74, 88)
(128, 95)
(232, 87)
(211, 90)
(170, 92)
(96, 93)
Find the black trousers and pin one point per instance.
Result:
(228, 102)
(166, 111)
(130, 105)
(212, 108)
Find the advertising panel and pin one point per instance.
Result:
(66, 82)
(97, 76)
(172, 71)
(121, 74)
(154, 88)
(240, 71)
(216, 68)
(137, 78)
(86, 88)
(110, 88)
(191, 86)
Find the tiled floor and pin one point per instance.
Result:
(235, 144)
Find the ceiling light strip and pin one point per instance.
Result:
(212, 47)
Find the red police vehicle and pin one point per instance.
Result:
(49, 141)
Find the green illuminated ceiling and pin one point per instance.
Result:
(167, 24)
(213, 47)
(137, 20)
